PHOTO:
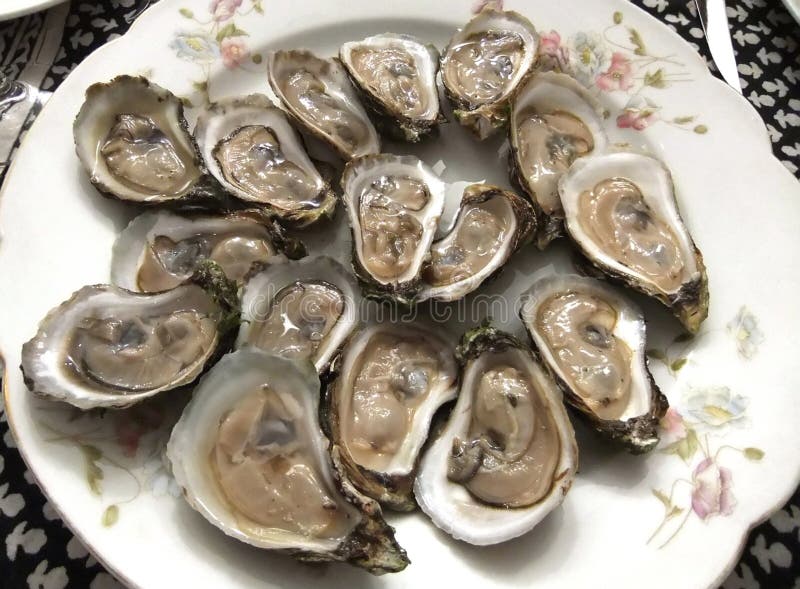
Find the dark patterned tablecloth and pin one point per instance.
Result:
(40, 552)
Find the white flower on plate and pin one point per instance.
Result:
(589, 56)
(715, 406)
(745, 331)
(158, 479)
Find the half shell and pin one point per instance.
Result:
(388, 382)
(593, 342)
(250, 457)
(622, 215)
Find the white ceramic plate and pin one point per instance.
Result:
(729, 457)
(14, 8)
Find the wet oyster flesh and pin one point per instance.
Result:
(159, 251)
(252, 150)
(507, 455)
(484, 63)
(250, 457)
(302, 310)
(108, 347)
(318, 95)
(593, 342)
(396, 75)
(490, 226)
(130, 135)
(621, 213)
(554, 121)
(391, 380)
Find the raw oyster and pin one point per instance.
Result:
(393, 204)
(484, 63)
(389, 381)
(250, 457)
(249, 146)
(507, 456)
(554, 121)
(396, 76)
(593, 342)
(132, 139)
(109, 347)
(159, 251)
(491, 225)
(621, 213)
(318, 95)
(302, 310)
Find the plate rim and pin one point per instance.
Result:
(794, 9)
(149, 12)
(35, 6)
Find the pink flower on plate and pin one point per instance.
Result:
(222, 10)
(554, 55)
(550, 43)
(479, 5)
(635, 118)
(234, 52)
(673, 427)
(712, 490)
(618, 76)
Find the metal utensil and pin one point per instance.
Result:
(715, 26)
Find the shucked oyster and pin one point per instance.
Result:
(250, 457)
(483, 64)
(554, 121)
(621, 213)
(132, 139)
(491, 225)
(302, 310)
(593, 342)
(109, 347)
(318, 95)
(390, 380)
(393, 204)
(250, 148)
(159, 251)
(396, 75)
(507, 456)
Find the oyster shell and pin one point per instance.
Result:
(161, 250)
(507, 456)
(318, 95)
(389, 381)
(396, 76)
(109, 347)
(554, 121)
(483, 64)
(593, 342)
(302, 310)
(132, 139)
(393, 205)
(491, 225)
(622, 215)
(249, 146)
(250, 457)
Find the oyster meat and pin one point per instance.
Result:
(249, 455)
(593, 342)
(109, 347)
(302, 310)
(249, 146)
(621, 213)
(318, 95)
(490, 226)
(132, 139)
(507, 456)
(159, 251)
(393, 204)
(483, 65)
(396, 75)
(390, 380)
(554, 121)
